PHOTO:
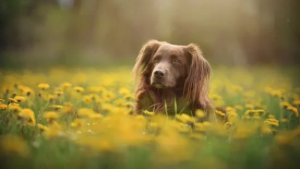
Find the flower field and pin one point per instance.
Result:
(71, 118)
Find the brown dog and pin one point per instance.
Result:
(172, 78)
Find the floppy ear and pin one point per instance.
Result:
(141, 67)
(196, 84)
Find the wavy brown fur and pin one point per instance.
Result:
(194, 90)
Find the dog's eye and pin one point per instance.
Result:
(155, 60)
(175, 61)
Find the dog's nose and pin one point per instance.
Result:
(159, 73)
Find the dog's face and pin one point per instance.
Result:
(164, 65)
(169, 66)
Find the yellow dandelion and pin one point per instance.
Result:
(229, 109)
(232, 116)
(294, 110)
(220, 113)
(238, 107)
(87, 99)
(42, 128)
(3, 106)
(249, 112)
(200, 114)
(19, 98)
(284, 120)
(65, 85)
(51, 98)
(85, 112)
(95, 116)
(124, 91)
(54, 130)
(265, 129)
(56, 107)
(216, 97)
(27, 115)
(148, 113)
(285, 104)
(184, 128)
(272, 122)
(12, 144)
(58, 93)
(12, 100)
(51, 115)
(249, 106)
(260, 112)
(77, 123)
(296, 102)
(199, 127)
(246, 117)
(43, 86)
(15, 108)
(206, 124)
(271, 116)
(185, 118)
(79, 89)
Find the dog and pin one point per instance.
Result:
(172, 79)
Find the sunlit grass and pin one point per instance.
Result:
(66, 118)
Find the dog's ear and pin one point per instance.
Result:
(141, 66)
(197, 82)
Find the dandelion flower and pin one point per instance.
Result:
(199, 127)
(296, 102)
(43, 86)
(148, 113)
(249, 106)
(284, 120)
(51, 115)
(42, 128)
(294, 110)
(15, 108)
(58, 93)
(79, 89)
(95, 116)
(285, 104)
(77, 123)
(3, 106)
(220, 113)
(266, 129)
(19, 98)
(12, 100)
(185, 118)
(87, 99)
(272, 122)
(124, 91)
(199, 113)
(84, 112)
(27, 115)
(65, 85)
(12, 144)
(56, 107)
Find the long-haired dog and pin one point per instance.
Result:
(172, 78)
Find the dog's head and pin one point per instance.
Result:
(164, 65)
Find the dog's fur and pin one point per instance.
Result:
(170, 74)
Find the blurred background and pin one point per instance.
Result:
(100, 32)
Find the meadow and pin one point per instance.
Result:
(80, 118)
